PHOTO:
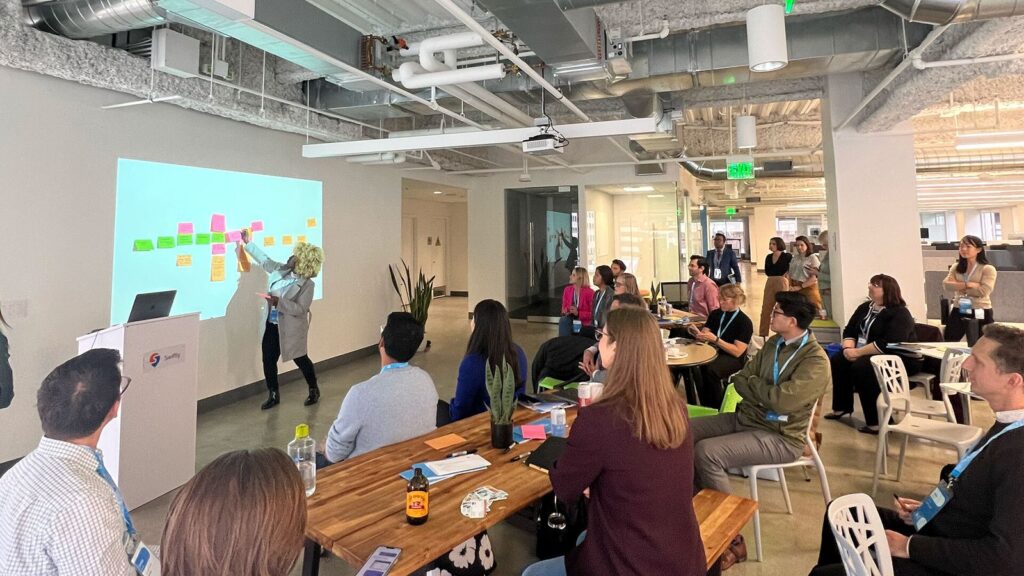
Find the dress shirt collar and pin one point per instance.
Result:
(1009, 416)
(795, 339)
(78, 455)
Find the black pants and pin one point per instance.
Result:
(831, 564)
(714, 377)
(858, 376)
(272, 351)
(956, 327)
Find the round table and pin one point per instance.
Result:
(694, 355)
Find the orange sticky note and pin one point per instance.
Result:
(445, 441)
(286, 240)
(268, 241)
(184, 260)
(217, 273)
(310, 222)
(302, 238)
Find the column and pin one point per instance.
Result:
(762, 229)
(870, 183)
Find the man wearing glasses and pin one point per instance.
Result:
(779, 388)
(60, 511)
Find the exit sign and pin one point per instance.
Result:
(739, 167)
(730, 210)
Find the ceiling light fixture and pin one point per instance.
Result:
(438, 192)
(766, 38)
(655, 195)
(746, 132)
(989, 140)
(638, 189)
(525, 176)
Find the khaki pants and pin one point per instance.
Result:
(774, 285)
(721, 442)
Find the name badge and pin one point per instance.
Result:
(577, 325)
(273, 315)
(861, 342)
(773, 416)
(718, 274)
(144, 562)
(931, 506)
(979, 313)
(965, 306)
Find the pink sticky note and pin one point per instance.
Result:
(217, 223)
(534, 432)
(257, 226)
(218, 248)
(235, 236)
(185, 228)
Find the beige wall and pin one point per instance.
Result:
(456, 215)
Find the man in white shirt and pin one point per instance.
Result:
(60, 513)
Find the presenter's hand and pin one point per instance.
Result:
(245, 236)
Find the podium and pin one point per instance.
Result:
(150, 447)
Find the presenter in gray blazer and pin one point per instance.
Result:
(286, 326)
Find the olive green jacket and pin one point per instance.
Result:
(802, 382)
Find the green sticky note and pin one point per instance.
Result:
(184, 239)
(202, 239)
(218, 237)
(143, 245)
(164, 242)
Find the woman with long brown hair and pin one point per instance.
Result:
(244, 514)
(803, 271)
(631, 451)
(625, 283)
(971, 281)
(490, 344)
(776, 266)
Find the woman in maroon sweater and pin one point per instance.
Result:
(632, 453)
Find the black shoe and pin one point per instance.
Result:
(868, 430)
(836, 415)
(273, 400)
(313, 398)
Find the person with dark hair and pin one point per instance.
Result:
(724, 265)
(976, 529)
(618, 267)
(398, 403)
(776, 267)
(243, 514)
(875, 325)
(779, 388)
(971, 281)
(6, 374)
(604, 281)
(703, 290)
(490, 344)
(61, 514)
(803, 271)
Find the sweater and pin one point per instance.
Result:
(890, 326)
(978, 532)
(640, 513)
(779, 269)
(393, 406)
(981, 297)
(471, 395)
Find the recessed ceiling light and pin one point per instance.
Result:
(655, 195)
(438, 192)
(638, 189)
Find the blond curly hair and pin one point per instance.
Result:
(308, 260)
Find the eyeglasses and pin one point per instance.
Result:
(777, 312)
(125, 383)
(598, 334)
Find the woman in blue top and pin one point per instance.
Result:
(490, 344)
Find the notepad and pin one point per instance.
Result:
(458, 465)
(445, 441)
(545, 456)
(517, 432)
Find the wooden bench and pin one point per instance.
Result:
(721, 517)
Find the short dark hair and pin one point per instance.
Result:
(717, 234)
(796, 306)
(892, 297)
(1009, 355)
(628, 299)
(76, 397)
(779, 243)
(402, 335)
(620, 264)
(702, 262)
(605, 272)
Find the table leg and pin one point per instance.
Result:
(311, 559)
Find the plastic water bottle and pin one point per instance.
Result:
(558, 423)
(302, 451)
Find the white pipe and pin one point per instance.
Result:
(485, 59)
(413, 80)
(366, 158)
(920, 64)
(398, 158)
(451, 42)
(663, 33)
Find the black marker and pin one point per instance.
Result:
(521, 456)
(461, 453)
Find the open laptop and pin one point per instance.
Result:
(677, 293)
(152, 305)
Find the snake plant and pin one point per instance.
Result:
(501, 386)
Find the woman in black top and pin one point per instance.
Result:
(729, 330)
(776, 265)
(881, 321)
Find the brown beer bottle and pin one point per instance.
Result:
(417, 499)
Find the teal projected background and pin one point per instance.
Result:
(175, 226)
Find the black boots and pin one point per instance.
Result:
(273, 400)
(314, 396)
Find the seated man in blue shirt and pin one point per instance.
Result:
(397, 404)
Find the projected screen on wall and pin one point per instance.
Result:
(176, 228)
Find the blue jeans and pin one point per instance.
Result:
(552, 566)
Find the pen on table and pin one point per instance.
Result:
(461, 453)
(521, 456)
(509, 449)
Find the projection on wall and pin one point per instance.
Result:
(176, 228)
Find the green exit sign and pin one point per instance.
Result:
(730, 210)
(739, 167)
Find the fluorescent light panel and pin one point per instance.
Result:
(638, 189)
(989, 140)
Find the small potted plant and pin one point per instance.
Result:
(501, 386)
(415, 297)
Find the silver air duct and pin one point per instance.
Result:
(90, 18)
(953, 11)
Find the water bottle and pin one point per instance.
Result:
(558, 422)
(302, 451)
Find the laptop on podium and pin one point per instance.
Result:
(152, 305)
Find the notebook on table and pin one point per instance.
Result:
(544, 456)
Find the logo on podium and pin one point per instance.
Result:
(164, 357)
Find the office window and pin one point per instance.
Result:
(991, 228)
(935, 222)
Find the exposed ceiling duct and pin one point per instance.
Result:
(797, 167)
(554, 34)
(90, 18)
(929, 162)
(953, 11)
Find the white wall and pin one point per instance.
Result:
(57, 189)
(600, 203)
(456, 214)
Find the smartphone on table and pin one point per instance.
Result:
(380, 562)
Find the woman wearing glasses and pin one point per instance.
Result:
(632, 453)
(626, 284)
(883, 320)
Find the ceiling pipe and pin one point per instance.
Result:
(80, 19)
(920, 64)
(953, 11)
(413, 76)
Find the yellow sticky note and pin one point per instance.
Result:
(217, 269)
(302, 238)
(184, 260)
(268, 241)
(286, 240)
(310, 222)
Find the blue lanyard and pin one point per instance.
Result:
(721, 328)
(394, 366)
(576, 296)
(967, 276)
(775, 368)
(600, 297)
(963, 464)
(102, 471)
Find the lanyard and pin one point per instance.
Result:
(722, 328)
(869, 320)
(576, 296)
(394, 366)
(718, 258)
(963, 464)
(102, 471)
(597, 305)
(967, 277)
(775, 368)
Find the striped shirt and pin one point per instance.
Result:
(59, 517)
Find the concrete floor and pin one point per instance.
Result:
(790, 542)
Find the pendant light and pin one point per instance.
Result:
(746, 132)
(766, 38)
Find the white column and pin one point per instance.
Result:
(762, 229)
(870, 185)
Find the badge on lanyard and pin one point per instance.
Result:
(144, 562)
(965, 306)
(273, 315)
(577, 325)
(932, 504)
(718, 273)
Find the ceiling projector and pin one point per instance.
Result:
(544, 144)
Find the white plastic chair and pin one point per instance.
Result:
(926, 406)
(814, 460)
(892, 378)
(860, 536)
(951, 382)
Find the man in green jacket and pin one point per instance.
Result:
(779, 388)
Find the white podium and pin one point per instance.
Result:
(150, 448)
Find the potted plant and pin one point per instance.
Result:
(415, 296)
(501, 386)
(655, 298)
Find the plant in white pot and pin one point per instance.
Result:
(501, 386)
(415, 296)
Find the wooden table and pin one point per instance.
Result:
(674, 320)
(695, 354)
(721, 517)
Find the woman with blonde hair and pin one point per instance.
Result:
(729, 330)
(286, 327)
(632, 453)
(244, 514)
(577, 303)
(625, 283)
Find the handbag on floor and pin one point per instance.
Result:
(552, 542)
